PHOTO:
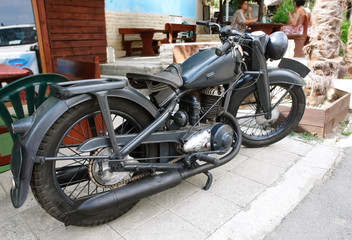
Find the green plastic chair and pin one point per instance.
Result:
(20, 99)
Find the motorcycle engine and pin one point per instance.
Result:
(201, 104)
(209, 97)
(217, 137)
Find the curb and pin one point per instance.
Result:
(267, 211)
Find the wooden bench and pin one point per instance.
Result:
(144, 33)
(172, 30)
(76, 69)
(300, 39)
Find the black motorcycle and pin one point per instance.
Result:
(96, 147)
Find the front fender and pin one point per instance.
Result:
(25, 150)
(279, 75)
(275, 75)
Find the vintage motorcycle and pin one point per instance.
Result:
(96, 147)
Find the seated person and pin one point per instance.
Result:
(240, 19)
(309, 15)
(295, 19)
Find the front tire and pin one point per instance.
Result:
(59, 185)
(258, 131)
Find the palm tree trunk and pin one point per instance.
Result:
(323, 49)
(348, 53)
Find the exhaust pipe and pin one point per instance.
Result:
(124, 195)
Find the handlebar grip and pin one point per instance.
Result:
(205, 23)
(223, 48)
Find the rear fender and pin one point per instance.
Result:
(25, 150)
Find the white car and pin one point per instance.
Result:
(16, 42)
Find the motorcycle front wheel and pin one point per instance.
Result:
(288, 104)
(58, 185)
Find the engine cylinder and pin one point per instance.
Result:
(209, 97)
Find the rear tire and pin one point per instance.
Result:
(58, 185)
(259, 132)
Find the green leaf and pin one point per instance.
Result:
(280, 16)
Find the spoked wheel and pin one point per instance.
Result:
(59, 184)
(288, 104)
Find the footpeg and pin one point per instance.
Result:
(208, 159)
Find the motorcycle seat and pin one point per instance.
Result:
(172, 76)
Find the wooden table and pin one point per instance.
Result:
(146, 35)
(268, 28)
(9, 74)
(173, 29)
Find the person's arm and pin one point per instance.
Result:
(250, 19)
(290, 19)
(299, 14)
(249, 13)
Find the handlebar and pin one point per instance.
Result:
(208, 24)
(222, 48)
(224, 34)
(205, 23)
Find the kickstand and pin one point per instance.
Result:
(209, 180)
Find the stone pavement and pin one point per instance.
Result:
(249, 197)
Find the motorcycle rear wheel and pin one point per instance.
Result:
(258, 131)
(58, 185)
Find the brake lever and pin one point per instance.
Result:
(233, 51)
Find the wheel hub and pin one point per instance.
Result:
(101, 174)
(262, 121)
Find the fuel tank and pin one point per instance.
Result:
(205, 68)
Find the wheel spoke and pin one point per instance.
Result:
(256, 126)
(73, 176)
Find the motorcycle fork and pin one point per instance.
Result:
(263, 89)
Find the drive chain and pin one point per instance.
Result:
(125, 181)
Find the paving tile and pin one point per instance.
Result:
(293, 145)
(6, 209)
(237, 189)
(259, 171)
(138, 215)
(166, 226)
(199, 180)
(249, 152)
(171, 197)
(277, 156)
(234, 162)
(206, 211)
(5, 181)
(39, 221)
(15, 228)
(82, 233)
(30, 202)
(3, 194)
(321, 156)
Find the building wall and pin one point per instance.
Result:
(146, 14)
(184, 8)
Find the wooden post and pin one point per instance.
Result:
(261, 8)
(42, 33)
